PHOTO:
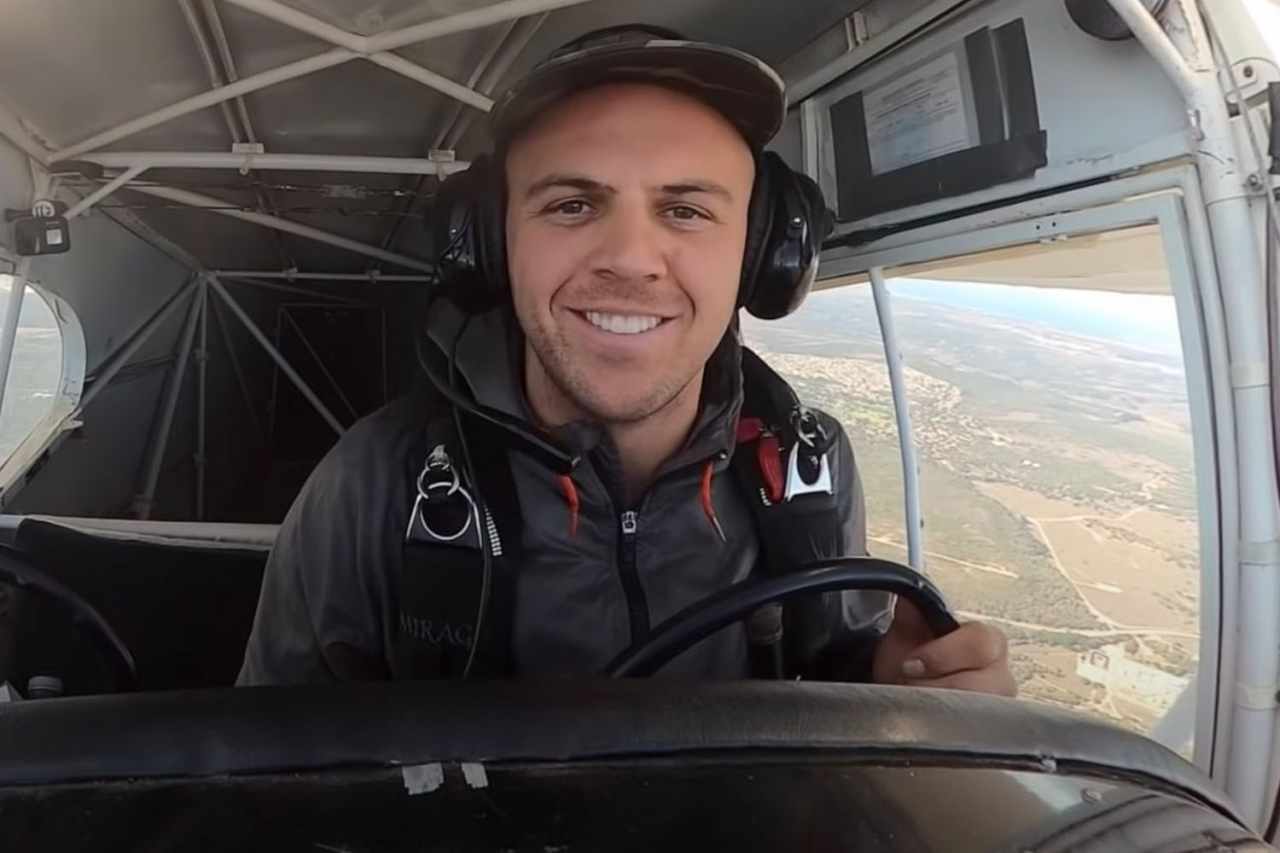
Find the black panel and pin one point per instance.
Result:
(987, 103)
(849, 135)
(1012, 145)
(1019, 82)
(950, 175)
(185, 612)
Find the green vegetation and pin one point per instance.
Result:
(1080, 428)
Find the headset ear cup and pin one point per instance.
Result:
(759, 223)
(462, 227)
(490, 235)
(799, 222)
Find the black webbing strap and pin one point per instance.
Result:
(442, 580)
(501, 517)
(794, 533)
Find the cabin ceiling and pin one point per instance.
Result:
(71, 69)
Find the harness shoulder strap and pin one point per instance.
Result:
(783, 467)
(456, 582)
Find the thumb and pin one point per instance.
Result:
(907, 633)
(972, 646)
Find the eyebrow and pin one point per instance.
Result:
(576, 182)
(691, 187)
(590, 185)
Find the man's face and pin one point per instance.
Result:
(626, 222)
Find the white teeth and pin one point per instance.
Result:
(623, 324)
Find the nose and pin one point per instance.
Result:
(630, 246)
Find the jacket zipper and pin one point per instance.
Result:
(637, 604)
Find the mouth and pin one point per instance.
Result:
(622, 324)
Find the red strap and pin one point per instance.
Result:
(704, 493)
(749, 429)
(769, 455)
(571, 496)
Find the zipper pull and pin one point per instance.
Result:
(629, 523)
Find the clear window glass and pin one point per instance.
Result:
(1057, 471)
(36, 369)
(1050, 412)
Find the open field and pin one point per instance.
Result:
(1057, 480)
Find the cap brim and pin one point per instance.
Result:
(748, 92)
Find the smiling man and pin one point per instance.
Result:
(595, 450)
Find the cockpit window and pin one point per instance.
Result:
(1049, 406)
(35, 372)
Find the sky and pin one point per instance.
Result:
(1144, 321)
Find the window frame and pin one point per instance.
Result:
(63, 413)
(1203, 338)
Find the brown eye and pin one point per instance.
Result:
(685, 212)
(571, 207)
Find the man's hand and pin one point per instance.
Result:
(973, 657)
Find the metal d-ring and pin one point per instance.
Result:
(423, 497)
(798, 419)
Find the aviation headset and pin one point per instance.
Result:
(787, 220)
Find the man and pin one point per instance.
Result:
(626, 166)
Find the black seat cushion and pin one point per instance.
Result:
(184, 611)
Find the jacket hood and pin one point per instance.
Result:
(488, 357)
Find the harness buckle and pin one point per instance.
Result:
(812, 439)
(438, 474)
(796, 483)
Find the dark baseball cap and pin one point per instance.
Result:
(744, 89)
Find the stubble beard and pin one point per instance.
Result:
(555, 357)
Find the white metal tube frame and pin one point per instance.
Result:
(135, 163)
(286, 288)
(280, 360)
(315, 356)
(292, 162)
(12, 128)
(472, 19)
(234, 359)
(902, 413)
(117, 361)
(224, 208)
(9, 330)
(210, 64)
(1223, 177)
(214, 20)
(212, 98)
(105, 190)
(169, 407)
(372, 276)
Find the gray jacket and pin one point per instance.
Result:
(331, 580)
